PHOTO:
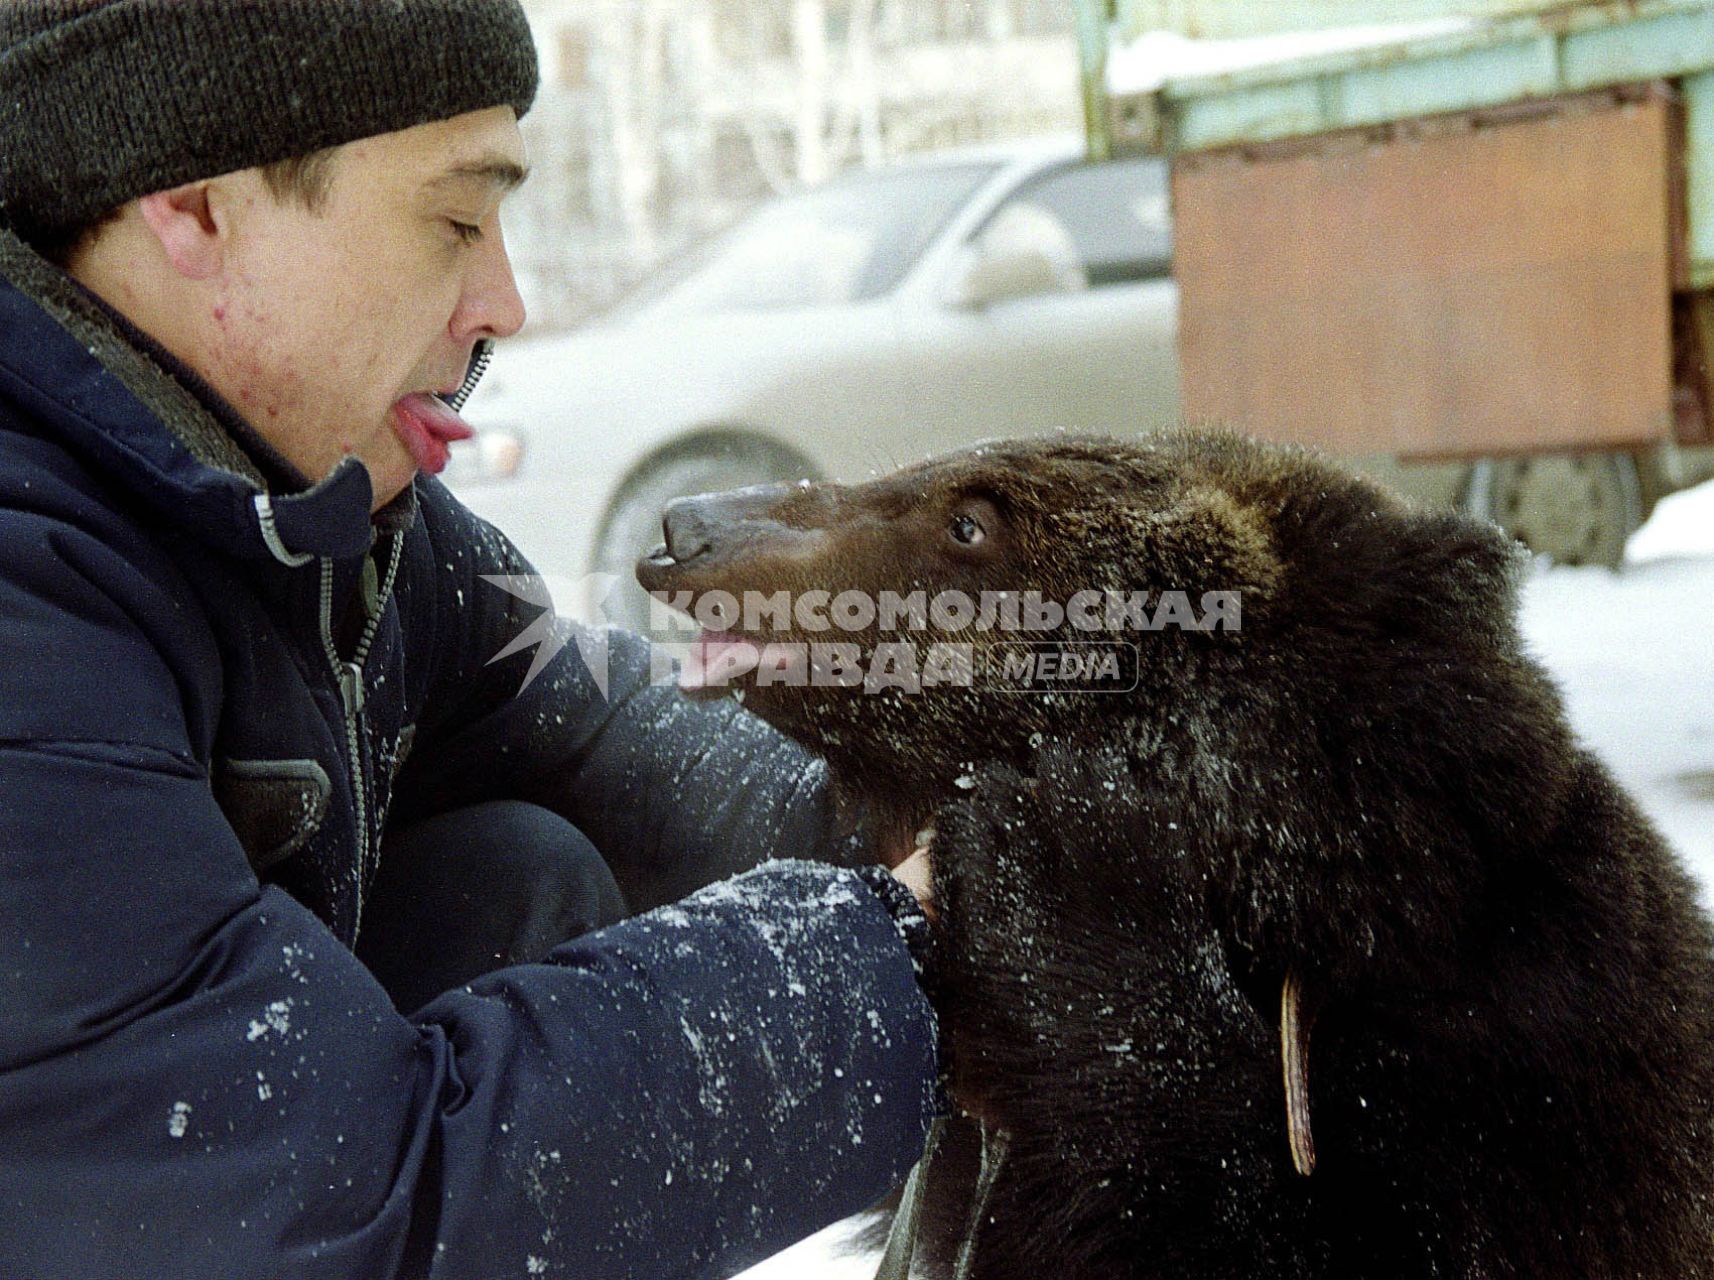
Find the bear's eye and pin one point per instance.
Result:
(966, 529)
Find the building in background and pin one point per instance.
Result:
(660, 120)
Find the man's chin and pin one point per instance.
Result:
(387, 495)
(391, 473)
(387, 480)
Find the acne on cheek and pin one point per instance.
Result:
(254, 392)
(221, 311)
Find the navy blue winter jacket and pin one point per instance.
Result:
(209, 709)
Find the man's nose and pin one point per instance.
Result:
(491, 306)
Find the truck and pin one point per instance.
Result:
(1469, 246)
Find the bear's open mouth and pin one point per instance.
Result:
(717, 661)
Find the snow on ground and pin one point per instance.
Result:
(1634, 655)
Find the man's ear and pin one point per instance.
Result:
(183, 220)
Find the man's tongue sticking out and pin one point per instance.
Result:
(428, 425)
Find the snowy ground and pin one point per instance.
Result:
(1634, 654)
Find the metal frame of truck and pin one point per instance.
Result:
(1490, 248)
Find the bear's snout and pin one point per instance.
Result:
(728, 533)
(707, 524)
(686, 528)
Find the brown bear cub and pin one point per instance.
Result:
(1284, 929)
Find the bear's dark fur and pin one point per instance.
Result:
(1366, 785)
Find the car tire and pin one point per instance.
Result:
(1572, 508)
(631, 526)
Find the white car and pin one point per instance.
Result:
(835, 333)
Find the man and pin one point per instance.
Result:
(245, 655)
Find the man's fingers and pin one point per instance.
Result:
(914, 873)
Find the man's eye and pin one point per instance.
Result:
(468, 232)
(966, 529)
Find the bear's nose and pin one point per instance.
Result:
(705, 523)
(686, 528)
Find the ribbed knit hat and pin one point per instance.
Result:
(102, 101)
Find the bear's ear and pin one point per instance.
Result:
(1471, 569)
(1204, 541)
(1384, 568)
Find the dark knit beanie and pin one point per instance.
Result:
(102, 101)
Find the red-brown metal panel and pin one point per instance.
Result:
(1474, 291)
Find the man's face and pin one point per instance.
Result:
(325, 320)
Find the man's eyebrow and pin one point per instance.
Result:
(497, 172)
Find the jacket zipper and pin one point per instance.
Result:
(481, 356)
(349, 676)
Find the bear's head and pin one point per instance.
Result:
(1317, 672)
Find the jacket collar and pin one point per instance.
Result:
(135, 412)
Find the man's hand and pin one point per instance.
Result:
(914, 873)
